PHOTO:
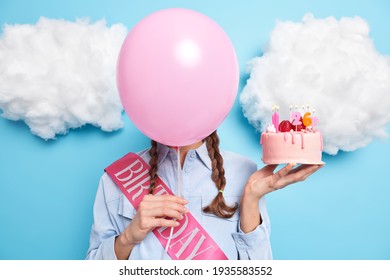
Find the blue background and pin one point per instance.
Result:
(47, 189)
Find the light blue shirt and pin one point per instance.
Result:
(113, 212)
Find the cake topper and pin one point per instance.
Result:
(296, 122)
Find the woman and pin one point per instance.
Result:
(222, 190)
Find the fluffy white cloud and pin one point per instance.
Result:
(332, 65)
(57, 74)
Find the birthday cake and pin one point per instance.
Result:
(292, 141)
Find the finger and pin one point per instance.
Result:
(303, 166)
(150, 224)
(171, 211)
(164, 213)
(270, 167)
(166, 197)
(164, 223)
(298, 175)
(305, 169)
(279, 176)
(310, 171)
(154, 204)
(285, 170)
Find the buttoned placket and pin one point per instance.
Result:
(186, 172)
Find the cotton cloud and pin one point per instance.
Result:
(56, 75)
(331, 65)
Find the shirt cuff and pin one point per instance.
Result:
(107, 249)
(250, 240)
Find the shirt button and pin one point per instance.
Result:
(192, 155)
(187, 170)
(240, 241)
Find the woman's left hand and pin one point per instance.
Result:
(265, 180)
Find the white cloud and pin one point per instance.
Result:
(56, 75)
(333, 66)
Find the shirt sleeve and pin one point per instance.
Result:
(255, 245)
(103, 233)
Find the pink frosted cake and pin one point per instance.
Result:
(293, 141)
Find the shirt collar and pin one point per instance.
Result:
(162, 152)
(202, 153)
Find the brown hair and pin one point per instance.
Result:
(218, 206)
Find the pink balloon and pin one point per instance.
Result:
(177, 76)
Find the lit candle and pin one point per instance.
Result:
(296, 118)
(306, 119)
(275, 118)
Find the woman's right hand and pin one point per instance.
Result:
(153, 211)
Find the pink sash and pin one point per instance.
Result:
(189, 240)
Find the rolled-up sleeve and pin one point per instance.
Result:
(103, 233)
(255, 245)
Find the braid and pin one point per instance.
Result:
(218, 205)
(153, 166)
